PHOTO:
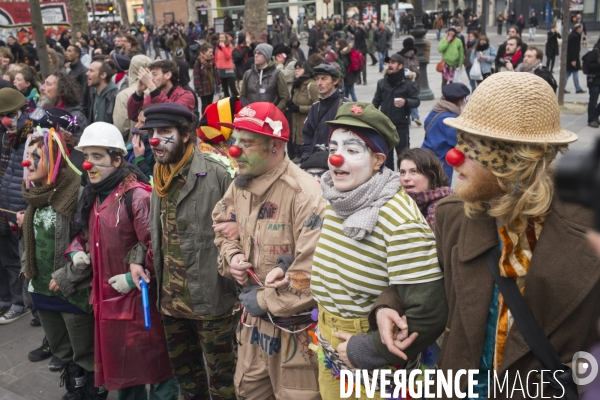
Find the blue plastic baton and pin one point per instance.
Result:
(145, 304)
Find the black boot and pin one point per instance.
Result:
(41, 353)
(92, 392)
(73, 379)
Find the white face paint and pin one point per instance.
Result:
(14, 121)
(103, 167)
(359, 162)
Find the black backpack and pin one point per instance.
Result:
(589, 57)
(546, 75)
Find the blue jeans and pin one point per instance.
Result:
(593, 106)
(167, 55)
(381, 56)
(532, 33)
(349, 92)
(414, 113)
(438, 33)
(575, 79)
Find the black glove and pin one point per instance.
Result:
(292, 106)
(249, 301)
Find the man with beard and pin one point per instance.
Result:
(113, 212)
(15, 127)
(279, 210)
(196, 302)
(162, 81)
(395, 97)
(506, 218)
(101, 100)
(76, 68)
(61, 91)
(514, 54)
(532, 63)
(501, 53)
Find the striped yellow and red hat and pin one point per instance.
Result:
(223, 111)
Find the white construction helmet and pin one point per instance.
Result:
(102, 134)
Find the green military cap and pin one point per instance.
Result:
(11, 100)
(365, 115)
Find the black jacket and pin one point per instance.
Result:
(78, 71)
(238, 55)
(552, 44)
(315, 130)
(360, 40)
(573, 50)
(593, 77)
(381, 40)
(10, 186)
(386, 93)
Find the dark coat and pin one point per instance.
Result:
(562, 288)
(360, 40)
(552, 49)
(240, 55)
(78, 71)
(315, 130)
(10, 185)
(573, 50)
(593, 78)
(381, 39)
(386, 93)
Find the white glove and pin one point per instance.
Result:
(119, 283)
(81, 259)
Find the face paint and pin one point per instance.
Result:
(11, 121)
(171, 148)
(102, 165)
(359, 162)
(254, 157)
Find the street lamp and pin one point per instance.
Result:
(419, 32)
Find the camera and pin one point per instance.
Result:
(578, 179)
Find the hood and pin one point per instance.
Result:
(408, 52)
(346, 50)
(331, 57)
(270, 66)
(294, 38)
(136, 62)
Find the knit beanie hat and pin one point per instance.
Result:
(266, 50)
(408, 42)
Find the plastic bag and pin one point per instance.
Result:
(475, 73)
(458, 74)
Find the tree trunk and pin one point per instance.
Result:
(123, 13)
(40, 37)
(192, 12)
(255, 20)
(78, 15)
(563, 52)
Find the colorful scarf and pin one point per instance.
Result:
(427, 200)
(514, 262)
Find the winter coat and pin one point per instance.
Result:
(177, 94)
(350, 77)
(206, 183)
(315, 131)
(552, 49)
(382, 38)
(223, 59)
(314, 35)
(120, 119)
(486, 65)
(201, 81)
(288, 70)
(125, 354)
(267, 84)
(10, 188)
(240, 55)
(593, 78)
(439, 137)
(303, 96)
(386, 93)
(573, 50)
(279, 213)
(438, 23)
(175, 44)
(562, 290)
(297, 52)
(78, 71)
(452, 53)
(360, 40)
(102, 105)
(533, 22)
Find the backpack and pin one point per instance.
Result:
(357, 61)
(591, 56)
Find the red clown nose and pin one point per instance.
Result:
(6, 121)
(25, 163)
(336, 160)
(235, 151)
(455, 157)
(154, 141)
(87, 165)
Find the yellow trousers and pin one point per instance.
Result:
(329, 325)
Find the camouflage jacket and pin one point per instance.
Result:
(206, 183)
(280, 212)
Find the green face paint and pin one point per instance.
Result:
(255, 152)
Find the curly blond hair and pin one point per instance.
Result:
(528, 186)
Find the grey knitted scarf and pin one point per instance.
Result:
(359, 208)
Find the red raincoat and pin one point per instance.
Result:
(125, 353)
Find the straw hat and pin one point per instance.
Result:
(513, 107)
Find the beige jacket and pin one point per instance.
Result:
(280, 212)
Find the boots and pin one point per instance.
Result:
(72, 378)
(92, 392)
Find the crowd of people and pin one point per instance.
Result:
(255, 243)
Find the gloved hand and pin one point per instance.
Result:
(121, 284)
(249, 301)
(81, 260)
(292, 106)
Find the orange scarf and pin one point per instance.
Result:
(514, 262)
(164, 174)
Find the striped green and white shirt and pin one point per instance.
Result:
(349, 275)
